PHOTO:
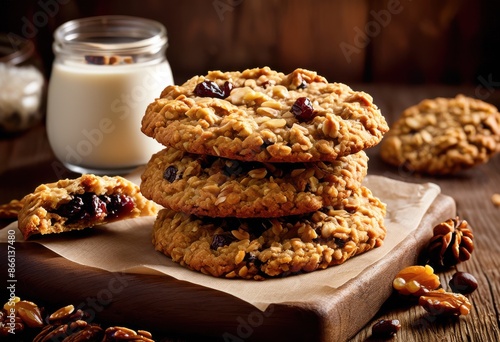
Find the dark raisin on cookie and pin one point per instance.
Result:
(86, 206)
(118, 204)
(211, 89)
(303, 109)
(252, 259)
(221, 240)
(170, 173)
(89, 206)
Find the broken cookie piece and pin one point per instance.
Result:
(87, 201)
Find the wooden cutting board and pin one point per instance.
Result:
(173, 307)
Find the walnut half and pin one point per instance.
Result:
(442, 303)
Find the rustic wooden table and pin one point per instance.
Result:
(26, 160)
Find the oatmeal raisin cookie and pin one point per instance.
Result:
(218, 187)
(72, 204)
(443, 136)
(264, 115)
(259, 248)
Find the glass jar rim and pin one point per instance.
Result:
(88, 35)
(17, 49)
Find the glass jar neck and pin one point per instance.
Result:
(97, 40)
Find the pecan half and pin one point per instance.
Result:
(442, 303)
(126, 334)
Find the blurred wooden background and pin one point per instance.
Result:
(384, 41)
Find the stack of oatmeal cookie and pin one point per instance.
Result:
(261, 173)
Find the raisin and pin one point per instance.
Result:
(340, 243)
(82, 207)
(211, 89)
(119, 204)
(386, 328)
(72, 209)
(303, 109)
(221, 240)
(252, 259)
(463, 282)
(93, 206)
(228, 86)
(170, 174)
(89, 206)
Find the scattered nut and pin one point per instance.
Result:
(30, 314)
(67, 314)
(463, 282)
(126, 334)
(7, 306)
(91, 332)
(386, 328)
(65, 332)
(65, 324)
(442, 303)
(452, 243)
(416, 280)
(61, 313)
(17, 315)
(495, 199)
(8, 327)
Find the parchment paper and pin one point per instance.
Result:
(126, 247)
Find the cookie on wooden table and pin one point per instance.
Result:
(444, 135)
(258, 248)
(264, 115)
(72, 204)
(10, 210)
(219, 187)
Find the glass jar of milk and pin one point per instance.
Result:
(107, 70)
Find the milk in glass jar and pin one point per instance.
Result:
(107, 70)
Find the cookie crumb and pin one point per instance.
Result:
(496, 199)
